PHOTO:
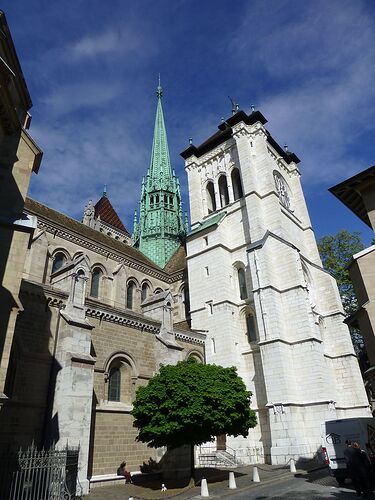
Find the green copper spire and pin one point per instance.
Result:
(161, 227)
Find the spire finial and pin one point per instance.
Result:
(159, 90)
(105, 190)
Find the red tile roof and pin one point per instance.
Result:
(108, 214)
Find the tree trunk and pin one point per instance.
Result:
(192, 462)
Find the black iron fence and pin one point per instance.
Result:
(34, 474)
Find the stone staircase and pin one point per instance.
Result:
(218, 458)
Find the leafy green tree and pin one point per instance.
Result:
(190, 403)
(336, 252)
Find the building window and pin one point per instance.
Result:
(130, 295)
(210, 193)
(145, 292)
(206, 271)
(205, 239)
(58, 262)
(114, 384)
(223, 190)
(95, 282)
(158, 290)
(251, 330)
(236, 184)
(185, 302)
(242, 283)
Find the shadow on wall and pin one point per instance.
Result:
(11, 206)
(26, 417)
(263, 415)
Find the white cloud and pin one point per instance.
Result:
(90, 46)
(80, 158)
(116, 40)
(84, 94)
(320, 63)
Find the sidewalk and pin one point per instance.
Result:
(217, 479)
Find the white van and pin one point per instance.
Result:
(335, 434)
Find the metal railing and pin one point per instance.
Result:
(34, 474)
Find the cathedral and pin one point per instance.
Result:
(89, 311)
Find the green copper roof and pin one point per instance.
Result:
(161, 228)
(160, 166)
(212, 221)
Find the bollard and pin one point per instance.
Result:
(232, 481)
(256, 475)
(293, 469)
(204, 488)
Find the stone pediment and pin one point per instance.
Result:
(163, 297)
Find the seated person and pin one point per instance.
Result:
(121, 471)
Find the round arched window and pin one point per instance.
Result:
(58, 261)
(95, 282)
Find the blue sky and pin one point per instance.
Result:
(91, 68)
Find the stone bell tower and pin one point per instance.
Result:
(258, 287)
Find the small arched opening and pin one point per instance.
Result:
(210, 195)
(236, 184)
(223, 190)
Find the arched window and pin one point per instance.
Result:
(114, 384)
(185, 302)
(121, 377)
(130, 295)
(58, 261)
(251, 329)
(210, 194)
(95, 282)
(195, 357)
(242, 283)
(236, 184)
(145, 292)
(223, 190)
(158, 290)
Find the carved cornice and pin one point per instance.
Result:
(45, 293)
(191, 337)
(121, 319)
(57, 230)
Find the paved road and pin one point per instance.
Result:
(275, 483)
(316, 485)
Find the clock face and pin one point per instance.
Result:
(282, 190)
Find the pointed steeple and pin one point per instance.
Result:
(161, 227)
(160, 166)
